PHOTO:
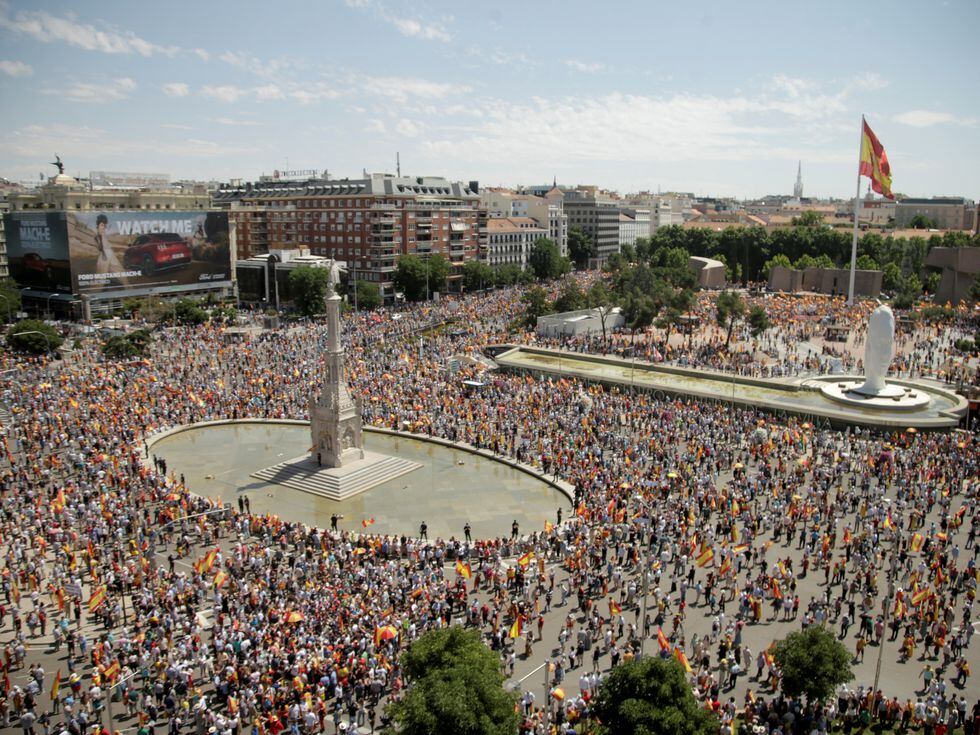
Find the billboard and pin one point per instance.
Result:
(119, 251)
(37, 250)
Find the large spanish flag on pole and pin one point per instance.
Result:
(873, 163)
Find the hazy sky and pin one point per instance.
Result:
(718, 98)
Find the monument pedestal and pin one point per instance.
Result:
(337, 483)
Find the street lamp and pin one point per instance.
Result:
(47, 338)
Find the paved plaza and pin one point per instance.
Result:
(202, 617)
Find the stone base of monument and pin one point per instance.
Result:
(337, 483)
(892, 397)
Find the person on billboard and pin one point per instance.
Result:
(106, 262)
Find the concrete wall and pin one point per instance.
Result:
(959, 267)
(710, 273)
(831, 281)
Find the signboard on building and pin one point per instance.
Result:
(116, 251)
(124, 180)
(110, 253)
(37, 250)
(295, 175)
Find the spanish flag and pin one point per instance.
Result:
(679, 655)
(614, 608)
(917, 541)
(515, 629)
(662, 640)
(705, 557)
(874, 162)
(219, 579)
(110, 672)
(548, 527)
(367, 522)
(463, 569)
(97, 600)
(56, 686)
(525, 558)
(208, 561)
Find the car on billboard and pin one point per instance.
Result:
(158, 251)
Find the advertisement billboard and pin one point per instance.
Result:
(118, 251)
(37, 250)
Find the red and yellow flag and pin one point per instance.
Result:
(56, 686)
(368, 522)
(525, 558)
(874, 162)
(917, 541)
(614, 608)
(219, 579)
(97, 600)
(705, 557)
(662, 640)
(679, 655)
(515, 629)
(110, 672)
(463, 569)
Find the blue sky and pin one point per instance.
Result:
(718, 98)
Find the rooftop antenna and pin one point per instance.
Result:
(398, 164)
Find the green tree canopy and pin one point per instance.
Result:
(34, 336)
(776, 260)
(808, 218)
(545, 260)
(921, 222)
(866, 263)
(571, 297)
(309, 289)
(812, 662)
(758, 320)
(9, 299)
(189, 312)
(455, 688)
(510, 274)
(127, 346)
(418, 276)
(536, 304)
(730, 308)
(477, 275)
(650, 696)
(581, 247)
(368, 295)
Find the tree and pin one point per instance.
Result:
(509, 274)
(650, 696)
(639, 311)
(24, 336)
(455, 688)
(776, 260)
(891, 277)
(536, 304)
(602, 300)
(410, 277)
(188, 311)
(439, 267)
(581, 247)
(127, 346)
(921, 222)
(808, 218)
(9, 298)
(866, 263)
(571, 297)
(477, 275)
(309, 289)
(808, 261)
(676, 305)
(758, 320)
(729, 309)
(812, 662)
(368, 295)
(546, 261)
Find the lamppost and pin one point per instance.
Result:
(47, 305)
(47, 338)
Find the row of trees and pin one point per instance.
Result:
(456, 688)
(750, 252)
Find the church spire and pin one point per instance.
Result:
(798, 187)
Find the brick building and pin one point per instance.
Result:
(367, 223)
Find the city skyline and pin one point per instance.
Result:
(718, 102)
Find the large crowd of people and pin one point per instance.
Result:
(182, 614)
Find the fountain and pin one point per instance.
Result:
(875, 390)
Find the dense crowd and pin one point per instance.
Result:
(188, 616)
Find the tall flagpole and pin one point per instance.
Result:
(857, 209)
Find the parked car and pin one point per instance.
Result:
(157, 251)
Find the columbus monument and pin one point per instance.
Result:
(337, 467)
(335, 419)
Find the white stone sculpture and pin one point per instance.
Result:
(878, 351)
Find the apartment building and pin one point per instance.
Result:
(547, 211)
(596, 217)
(367, 223)
(510, 239)
(949, 213)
